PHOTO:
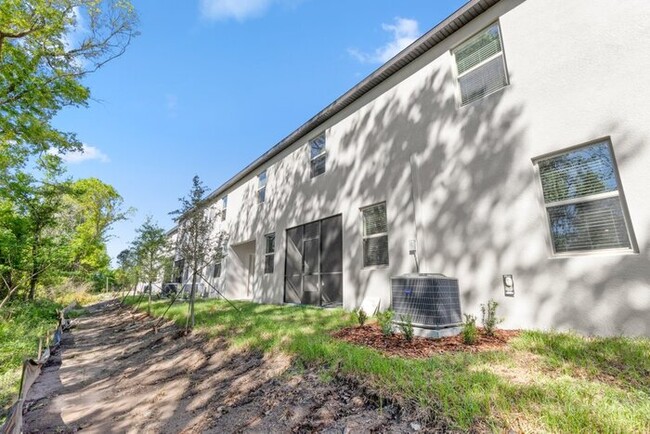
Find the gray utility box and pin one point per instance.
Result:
(431, 300)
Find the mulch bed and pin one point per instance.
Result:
(370, 336)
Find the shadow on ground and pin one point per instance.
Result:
(115, 375)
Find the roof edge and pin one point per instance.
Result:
(433, 37)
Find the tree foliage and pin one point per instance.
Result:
(46, 48)
(150, 247)
(196, 243)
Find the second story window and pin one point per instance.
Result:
(224, 207)
(269, 253)
(318, 155)
(480, 65)
(216, 271)
(261, 187)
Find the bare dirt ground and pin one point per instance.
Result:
(114, 375)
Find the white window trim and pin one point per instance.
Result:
(381, 234)
(266, 254)
(257, 191)
(457, 75)
(224, 208)
(315, 157)
(552, 254)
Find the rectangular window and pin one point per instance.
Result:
(269, 253)
(583, 204)
(224, 207)
(216, 272)
(375, 235)
(481, 65)
(318, 155)
(261, 187)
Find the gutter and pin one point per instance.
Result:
(433, 37)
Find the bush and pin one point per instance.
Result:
(361, 316)
(470, 332)
(489, 317)
(385, 320)
(406, 327)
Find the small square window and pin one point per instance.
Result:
(269, 253)
(375, 235)
(318, 155)
(582, 200)
(481, 65)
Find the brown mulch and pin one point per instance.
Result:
(370, 336)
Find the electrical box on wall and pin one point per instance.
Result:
(508, 285)
(412, 247)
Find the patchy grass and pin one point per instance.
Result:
(541, 382)
(21, 325)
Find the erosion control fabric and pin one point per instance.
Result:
(31, 371)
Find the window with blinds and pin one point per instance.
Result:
(261, 187)
(318, 156)
(582, 200)
(375, 235)
(269, 253)
(481, 65)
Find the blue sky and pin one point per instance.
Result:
(209, 85)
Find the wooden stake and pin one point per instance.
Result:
(40, 348)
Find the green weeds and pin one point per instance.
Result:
(541, 382)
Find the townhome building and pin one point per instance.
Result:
(508, 147)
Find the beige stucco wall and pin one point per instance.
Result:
(461, 180)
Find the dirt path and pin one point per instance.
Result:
(113, 375)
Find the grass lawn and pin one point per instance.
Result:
(21, 325)
(542, 382)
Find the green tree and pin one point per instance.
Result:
(195, 242)
(150, 248)
(96, 206)
(39, 202)
(46, 48)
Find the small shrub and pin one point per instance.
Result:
(361, 316)
(489, 317)
(385, 320)
(406, 327)
(470, 332)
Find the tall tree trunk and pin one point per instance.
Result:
(190, 317)
(33, 280)
(149, 305)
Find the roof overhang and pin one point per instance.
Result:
(433, 37)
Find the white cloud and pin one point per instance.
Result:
(76, 34)
(237, 9)
(404, 32)
(87, 153)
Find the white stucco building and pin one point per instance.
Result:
(511, 139)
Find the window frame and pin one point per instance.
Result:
(457, 75)
(261, 189)
(224, 207)
(381, 234)
(267, 253)
(552, 254)
(219, 263)
(313, 158)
